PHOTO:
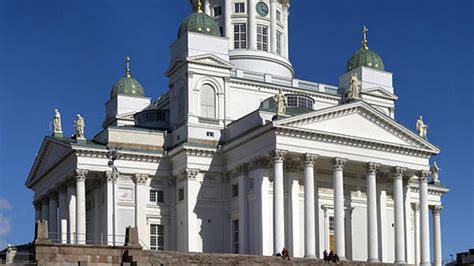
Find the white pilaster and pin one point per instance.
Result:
(229, 29)
(97, 225)
(71, 201)
(278, 202)
(243, 211)
(273, 27)
(424, 220)
(193, 181)
(293, 213)
(338, 183)
(416, 210)
(263, 210)
(63, 214)
(81, 206)
(252, 25)
(141, 196)
(309, 217)
(53, 217)
(382, 232)
(399, 219)
(372, 237)
(326, 229)
(438, 258)
(110, 207)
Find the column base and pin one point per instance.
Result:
(373, 260)
(403, 262)
(310, 256)
(425, 263)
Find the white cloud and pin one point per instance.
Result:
(5, 204)
(5, 226)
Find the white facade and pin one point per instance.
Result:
(221, 173)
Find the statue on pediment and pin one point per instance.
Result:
(421, 127)
(57, 128)
(281, 103)
(79, 124)
(354, 88)
(435, 172)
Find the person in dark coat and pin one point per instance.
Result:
(285, 254)
(326, 256)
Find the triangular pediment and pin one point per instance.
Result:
(358, 121)
(380, 92)
(49, 155)
(211, 60)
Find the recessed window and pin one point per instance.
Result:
(181, 194)
(278, 42)
(240, 36)
(235, 236)
(217, 11)
(235, 190)
(300, 101)
(278, 16)
(157, 237)
(239, 8)
(210, 134)
(331, 223)
(157, 196)
(262, 38)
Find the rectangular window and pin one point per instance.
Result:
(235, 236)
(278, 42)
(240, 36)
(331, 223)
(278, 16)
(210, 134)
(217, 11)
(221, 31)
(239, 8)
(157, 237)
(181, 194)
(157, 196)
(262, 38)
(235, 190)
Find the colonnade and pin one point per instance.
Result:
(397, 174)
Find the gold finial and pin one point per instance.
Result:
(199, 6)
(364, 40)
(127, 67)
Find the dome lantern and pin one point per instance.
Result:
(127, 85)
(365, 57)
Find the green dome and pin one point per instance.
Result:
(365, 57)
(127, 85)
(199, 22)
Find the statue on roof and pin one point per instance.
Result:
(435, 172)
(57, 128)
(281, 103)
(79, 124)
(421, 127)
(354, 88)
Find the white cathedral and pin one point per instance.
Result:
(240, 156)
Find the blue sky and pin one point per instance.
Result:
(68, 54)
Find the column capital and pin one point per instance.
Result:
(339, 163)
(415, 206)
(309, 159)
(189, 173)
(80, 174)
(436, 209)
(259, 163)
(398, 171)
(140, 179)
(372, 167)
(423, 175)
(111, 176)
(242, 169)
(278, 155)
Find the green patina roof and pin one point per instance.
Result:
(365, 57)
(199, 22)
(127, 85)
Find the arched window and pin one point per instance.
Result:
(181, 104)
(208, 101)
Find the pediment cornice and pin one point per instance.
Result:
(380, 93)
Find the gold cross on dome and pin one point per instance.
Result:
(364, 40)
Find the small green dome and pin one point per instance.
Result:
(199, 22)
(365, 57)
(127, 85)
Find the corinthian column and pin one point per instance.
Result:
(63, 214)
(71, 200)
(81, 206)
(53, 217)
(399, 224)
(338, 183)
(278, 202)
(436, 211)
(424, 219)
(141, 192)
(372, 241)
(309, 218)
